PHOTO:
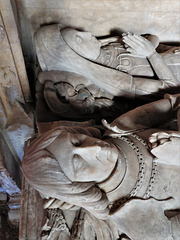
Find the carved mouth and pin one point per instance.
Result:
(107, 154)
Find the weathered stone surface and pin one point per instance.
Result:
(140, 197)
(135, 173)
(16, 123)
(82, 74)
(16, 119)
(11, 56)
(31, 213)
(100, 17)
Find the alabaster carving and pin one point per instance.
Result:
(115, 180)
(85, 77)
(112, 64)
(55, 226)
(129, 176)
(82, 74)
(85, 226)
(73, 97)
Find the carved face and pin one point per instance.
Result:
(83, 43)
(83, 158)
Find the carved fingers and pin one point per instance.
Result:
(160, 138)
(138, 45)
(157, 139)
(166, 147)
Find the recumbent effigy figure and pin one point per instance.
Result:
(89, 72)
(130, 175)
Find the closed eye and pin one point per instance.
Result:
(78, 163)
(78, 39)
(75, 141)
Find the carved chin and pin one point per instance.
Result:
(91, 53)
(112, 156)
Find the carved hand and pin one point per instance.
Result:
(138, 46)
(166, 147)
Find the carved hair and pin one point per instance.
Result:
(44, 173)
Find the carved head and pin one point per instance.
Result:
(65, 163)
(82, 43)
(84, 158)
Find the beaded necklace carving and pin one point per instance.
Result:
(140, 179)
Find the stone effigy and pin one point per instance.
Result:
(106, 182)
(104, 62)
(129, 176)
(82, 74)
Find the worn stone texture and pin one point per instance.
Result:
(134, 171)
(31, 213)
(14, 85)
(11, 56)
(121, 164)
(100, 17)
(15, 124)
